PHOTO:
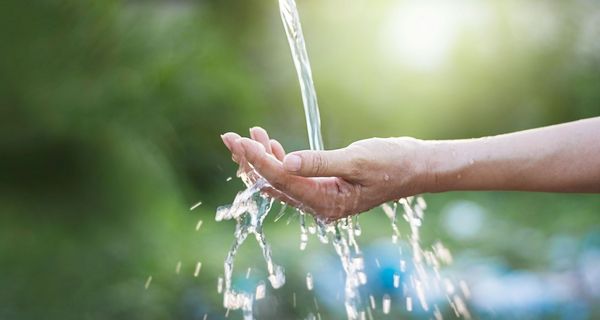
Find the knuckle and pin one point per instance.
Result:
(319, 164)
(280, 184)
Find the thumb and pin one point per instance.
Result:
(332, 163)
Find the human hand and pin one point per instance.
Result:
(336, 183)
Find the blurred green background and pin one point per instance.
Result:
(110, 115)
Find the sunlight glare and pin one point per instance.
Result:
(422, 33)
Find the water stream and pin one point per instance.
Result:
(250, 209)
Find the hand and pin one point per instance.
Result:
(337, 183)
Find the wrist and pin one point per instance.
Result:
(410, 163)
(447, 165)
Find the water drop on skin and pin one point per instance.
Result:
(386, 177)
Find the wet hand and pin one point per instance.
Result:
(336, 183)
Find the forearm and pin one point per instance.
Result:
(561, 158)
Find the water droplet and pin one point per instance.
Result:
(303, 240)
(260, 290)
(377, 263)
(197, 270)
(294, 299)
(461, 307)
(228, 179)
(248, 273)
(386, 303)
(196, 205)
(408, 304)
(309, 281)
(421, 295)
(178, 267)
(358, 262)
(471, 162)
(277, 278)
(357, 229)
(396, 280)
(205, 316)
(386, 177)
(198, 225)
(148, 281)
(465, 289)
(437, 315)
(421, 203)
(302, 246)
(372, 300)
(362, 278)
(220, 285)
(363, 315)
(449, 286)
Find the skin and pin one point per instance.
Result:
(337, 183)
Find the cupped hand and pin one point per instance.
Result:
(336, 183)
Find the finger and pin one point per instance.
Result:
(259, 134)
(278, 151)
(238, 154)
(229, 140)
(267, 166)
(333, 163)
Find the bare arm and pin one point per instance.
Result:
(337, 183)
(559, 158)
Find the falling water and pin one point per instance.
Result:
(341, 233)
(250, 209)
(293, 30)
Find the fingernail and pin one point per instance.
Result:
(292, 162)
(225, 141)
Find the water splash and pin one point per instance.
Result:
(426, 280)
(250, 209)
